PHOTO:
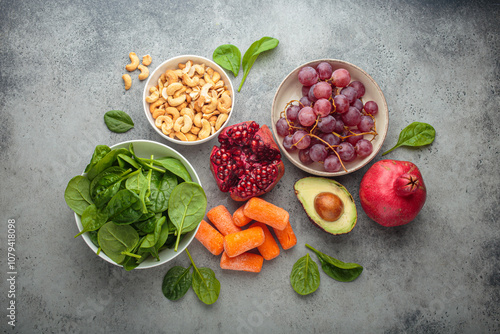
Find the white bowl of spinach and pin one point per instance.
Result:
(138, 203)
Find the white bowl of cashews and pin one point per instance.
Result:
(188, 99)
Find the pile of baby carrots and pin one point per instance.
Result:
(232, 235)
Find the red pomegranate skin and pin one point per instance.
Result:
(392, 192)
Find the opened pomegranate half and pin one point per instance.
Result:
(248, 161)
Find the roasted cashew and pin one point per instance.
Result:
(127, 80)
(173, 87)
(173, 112)
(182, 106)
(160, 86)
(162, 119)
(176, 101)
(191, 82)
(200, 68)
(156, 104)
(191, 137)
(183, 124)
(186, 67)
(159, 111)
(134, 62)
(171, 76)
(212, 106)
(146, 60)
(218, 85)
(197, 119)
(195, 130)
(181, 136)
(187, 111)
(224, 103)
(221, 119)
(212, 120)
(154, 95)
(166, 128)
(180, 92)
(205, 129)
(204, 93)
(144, 72)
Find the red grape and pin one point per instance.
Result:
(341, 103)
(322, 90)
(352, 117)
(322, 107)
(359, 87)
(308, 76)
(366, 123)
(304, 156)
(282, 127)
(318, 152)
(363, 148)
(292, 112)
(341, 77)
(346, 151)
(332, 163)
(301, 139)
(324, 70)
(307, 117)
(326, 124)
(371, 107)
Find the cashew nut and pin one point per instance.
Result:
(154, 95)
(144, 72)
(180, 92)
(195, 130)
(173, 112)
(221, 119)
(197, 119)
(166, 128)
(159, 111)
(224, 103)
(127, 80)
(163, 119)
(200, 69)
(156, 104)
(146, 60)
(187, 111)
(171, 76)
(176, 101)
(181, 136)
(134, 62)
(183, 124)
(191, 137)
(191, 82)
(209, 108)
(186, 67)
(205, 129)
(172, 88)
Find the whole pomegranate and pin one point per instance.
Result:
(248, 161)
(392, 192)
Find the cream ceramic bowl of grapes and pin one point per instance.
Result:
(329, 117)
(188, 100)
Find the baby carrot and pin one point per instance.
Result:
(267, 213)
(210, 238)
(222, 219)
(269, 249)
(239, 242)
(239, 217)
(244, 262)
(286, 237)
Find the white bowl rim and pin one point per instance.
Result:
(194, 58)
(382, 135)
(154, 263)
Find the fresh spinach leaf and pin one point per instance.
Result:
(77, 194)
(105, 162)
(146, 164)
(118, 121)
(126, 159)
(175, 166)
(92, 219)
(304, 277)
(106, 184)
(117, 241)
(124, 207)
(205, 284)
(228, 57)
(146, 223)
(186, 207)
(162, 186)
(416, 134)
(263, 44)
(99, 152)
(152, 238)
(177, 282)
(93, 238)
(336, 269)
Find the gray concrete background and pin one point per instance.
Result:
(436, 61)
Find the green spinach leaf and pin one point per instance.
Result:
(175, 166)
(228, 57)
(162, 186)
(117, 241)
(186, 207)
(77, 194)
(205, 284)
(106, 184)
(336, 269)
(304, 277)
(92, 219)
(124, 207)
(416, 134)
(99, 152)
(177, 282)
(146, 223)
(118, 121)
(105, 162)
(263, 44)
(152, 238)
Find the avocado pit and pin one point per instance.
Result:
(328, 206)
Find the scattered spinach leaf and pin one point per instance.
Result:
(228, 57)
(263, 44)
(416, 134)
(117, 241)
(177, 282)
(205, 284)
(304, 277)
(118, 121)
(186, 207)
(77, 194)
(336, 269)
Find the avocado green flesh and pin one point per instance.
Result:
(306, 190)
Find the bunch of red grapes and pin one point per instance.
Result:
(329, 123)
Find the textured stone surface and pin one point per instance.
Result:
(436, 61)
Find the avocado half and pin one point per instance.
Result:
(327, 203)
